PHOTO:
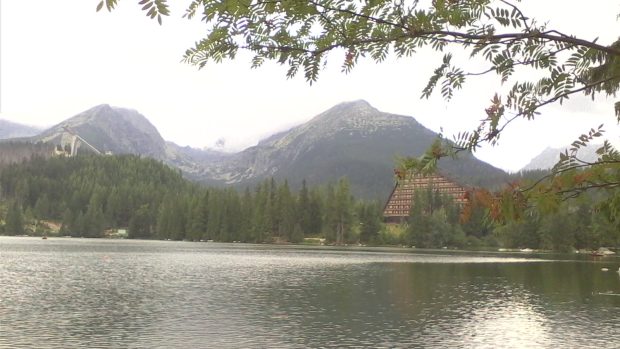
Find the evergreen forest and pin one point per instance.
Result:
(99, 196)
(92, 196)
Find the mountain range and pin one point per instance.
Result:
(550, 156)
(10, 129)
(351, 139)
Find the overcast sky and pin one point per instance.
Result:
(58, 58)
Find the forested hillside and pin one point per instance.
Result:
(12, 151)
(91, 194)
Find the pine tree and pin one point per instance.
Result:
(77, 230)
(114, 208)
(140, 223)
(273, 209)
(344, 212)
(315, 225)
(287, 212)
(42, 209)
(163, 227)
(262, 213)
(93, 220)
(196, 219)
(330, 228)
(304, 210)
(231, 217)
(246, 219)
(68, 221)
(14, 220)
(178, 218)
(370, 221)
(214, 220)
(297, 236)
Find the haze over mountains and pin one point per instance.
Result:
(351, 139)
(10, 129)
(550, 156)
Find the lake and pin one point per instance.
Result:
(86, 293)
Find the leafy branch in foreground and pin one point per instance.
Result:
(153, 8)
(570, 178)
(535, 65)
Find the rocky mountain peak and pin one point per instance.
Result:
(351, 139)
(93, 113)
(111, 129)
(102, 107)
(550, 156)
(348, 111)
(357, 106)
(357, 116)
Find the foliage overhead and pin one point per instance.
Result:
(536, 65)
(300, 34)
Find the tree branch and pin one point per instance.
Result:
(520, 36)
(529, 34)
(356, 14)
(557, 172)
(607, 185)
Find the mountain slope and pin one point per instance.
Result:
(550, 156)
(351, 139)
(120, 131)
(9, 129)
(111, 129)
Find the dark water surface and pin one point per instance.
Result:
(82, 293)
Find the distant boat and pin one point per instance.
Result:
(44, 237)
(526, 250)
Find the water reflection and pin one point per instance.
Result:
(136, 294)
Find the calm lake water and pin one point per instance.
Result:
(83, 293)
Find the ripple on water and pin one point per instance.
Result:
(129, 294)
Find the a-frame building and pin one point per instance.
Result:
(399, 204)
